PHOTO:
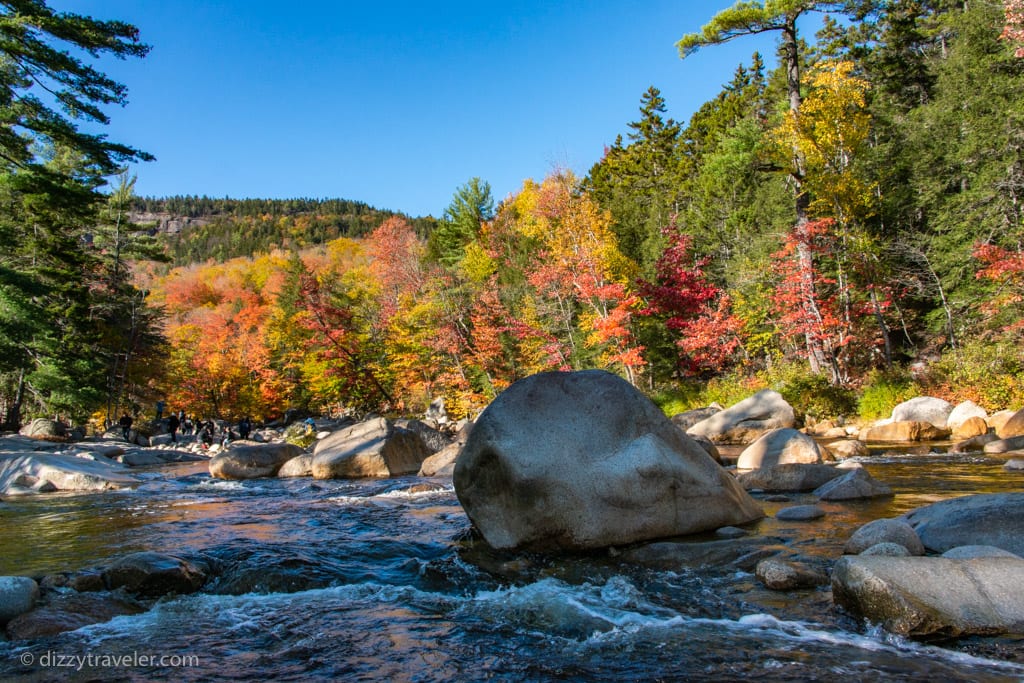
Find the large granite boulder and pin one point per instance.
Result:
(574, 460)
(1013, 427)
(433, 439)
(152, 574)
(747, 420)
(923, 409)
(845, 449)
(933, 596)
(903, 431)
(18, 595)
(38, 472)
(792, 477)
(779, 447)
(252, 461)
(375, 448)
(963, 412)
(994, 519)
(299, 466)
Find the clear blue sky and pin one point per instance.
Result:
(396, 103)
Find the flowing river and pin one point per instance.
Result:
(383, 580)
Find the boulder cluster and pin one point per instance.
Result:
(581, 461)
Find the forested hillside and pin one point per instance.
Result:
(846, 227)
(242, 227)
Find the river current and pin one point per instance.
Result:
(384, 580)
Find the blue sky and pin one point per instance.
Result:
(396, 103)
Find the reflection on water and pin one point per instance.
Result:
(375, 580)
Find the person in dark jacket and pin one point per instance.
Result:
(126, 426)
(172, 425)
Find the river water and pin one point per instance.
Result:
(383, 580)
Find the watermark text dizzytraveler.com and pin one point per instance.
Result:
(78, 662)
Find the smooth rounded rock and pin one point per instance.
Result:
(575, 460)
(779, 447)
(800, 513)
(893, 530)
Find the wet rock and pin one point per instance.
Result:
(927, 596)
(374, 448)
(894, 530)
(1013, 427)
(848, 448)
(800, 513)
(984, 519)
(790, 477)
(747, 420)
(975, 444)
(18, 594)
(780, 575)
(40, 472)
(1014, 464)
(886, 550)
(903, 431)
(779, 447)
(87, 582)
(69, 611)
(153, 574)
(1015, 443)
(574, 460)
(966, 552)
(299, 466)
(731, 532)
(853, 485)
(671, 556)
(923, 409)
(252, 461)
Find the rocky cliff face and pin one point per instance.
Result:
(166, 222)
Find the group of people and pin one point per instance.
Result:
(206, 430)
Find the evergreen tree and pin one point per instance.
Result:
(50, 172)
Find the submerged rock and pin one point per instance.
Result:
(800, 513)
(153, 574)
(780, 575)
(574, 460)
(926, 596)
(69, 611)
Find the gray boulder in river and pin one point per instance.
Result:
(922, 596)
(375, 448)
(995, 519)
(575, 460)
(252, 461)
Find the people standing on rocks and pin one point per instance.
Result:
(159, 410)
(244, 427)
(126, 426)
(172, 426)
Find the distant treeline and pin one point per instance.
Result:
(243, 227)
